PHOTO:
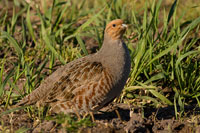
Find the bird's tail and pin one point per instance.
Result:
(25, 101)
(31, 98)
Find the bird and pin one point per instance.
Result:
(89, 83)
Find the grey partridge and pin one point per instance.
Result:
(89, 83)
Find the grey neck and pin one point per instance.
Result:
(110, 46)
(113, 55)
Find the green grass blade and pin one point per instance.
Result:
(22, 130)
(171, 12)
(6, 80)
(86, 24)
(29, 25)
(161, 97)
(155, 77)
(191, 26)
(82, 45)
(48, 41)
(12, 110)
(13, 42)
(164, 52)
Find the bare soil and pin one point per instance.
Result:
(152, 120)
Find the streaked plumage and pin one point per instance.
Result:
(89, 83)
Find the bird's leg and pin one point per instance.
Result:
(116, 111)
(92, 116)
(76, 112)
(118, 114)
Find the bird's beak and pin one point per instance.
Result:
(124, 26)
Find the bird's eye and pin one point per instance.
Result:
(114, 25)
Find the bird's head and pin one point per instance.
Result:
(115, 29)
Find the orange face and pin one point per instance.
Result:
(115, 29)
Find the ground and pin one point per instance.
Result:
(152, 120)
